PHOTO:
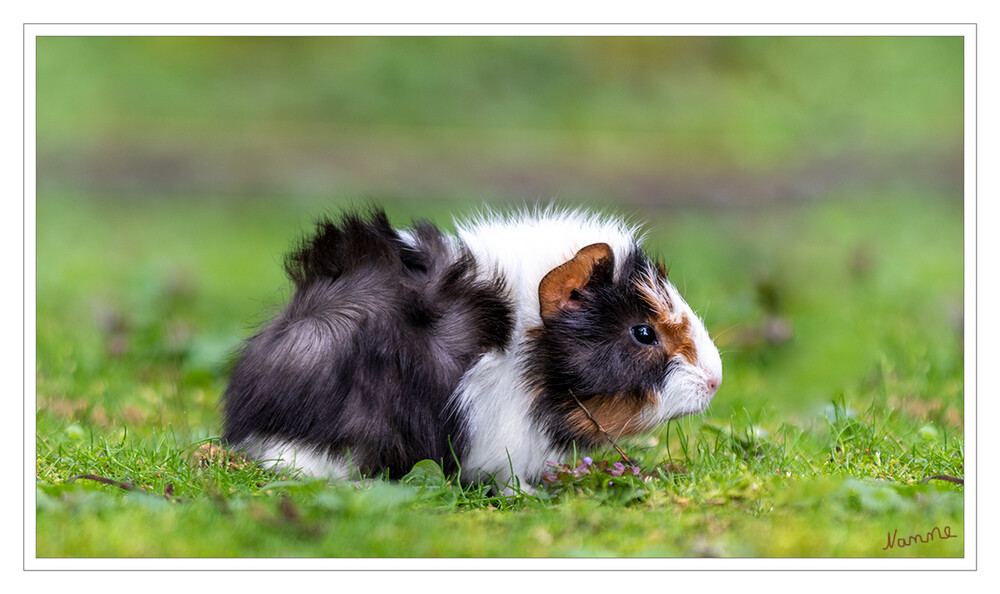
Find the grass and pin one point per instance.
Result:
(816, 445)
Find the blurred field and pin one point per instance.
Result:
(805, 191)
(636, 120)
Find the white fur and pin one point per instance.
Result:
(277, 454)
(504, 440)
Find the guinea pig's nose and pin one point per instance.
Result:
(713, 382)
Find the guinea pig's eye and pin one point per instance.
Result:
(644, 334)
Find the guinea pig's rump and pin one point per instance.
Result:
(363, 358)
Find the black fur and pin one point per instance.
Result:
(589, 351)
(375, 338)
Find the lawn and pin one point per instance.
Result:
(807, 211)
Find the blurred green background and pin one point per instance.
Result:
(806, 191)
(646, 120)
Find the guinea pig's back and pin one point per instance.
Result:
(527, 244)
(361, 362)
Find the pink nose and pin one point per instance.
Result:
(713, 383)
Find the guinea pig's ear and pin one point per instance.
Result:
(559, 290)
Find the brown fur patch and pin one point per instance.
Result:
(673, 330)
(617, 414)
(677, 338)
(211, 454)
(556, 289)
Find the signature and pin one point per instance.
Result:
(893, 540)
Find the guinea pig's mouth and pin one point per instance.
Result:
(700, 402)
(685, 392)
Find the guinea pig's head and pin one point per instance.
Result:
(617, 344)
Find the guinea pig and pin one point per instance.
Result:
(491, 351)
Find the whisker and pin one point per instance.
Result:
(729, 329)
